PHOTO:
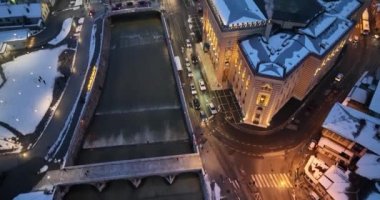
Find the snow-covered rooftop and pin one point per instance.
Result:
(237, 11)
(284, 51)
(340, 149)
(39, 195)
(375, 102)
(343, 8)
(32, 10)
(13, 35)
(275, 57)
(339, 183)
(354, 125)
(369, 166)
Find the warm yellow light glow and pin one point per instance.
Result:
(92, 78)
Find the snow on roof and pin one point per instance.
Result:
(277, 56)
(286, 50)
(32, 10)
(373, 196)
(314, 168)
(328, 38)
(375, 102)
(237, 11)
(325, 182)
(340, 182)
(369, 166)
(342, 8)
(40, 195)
(360, 95)
(318, 25)
(340, 149)
(354, 125)
(13, 35)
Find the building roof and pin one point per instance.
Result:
(369, 166)
(284, 51)
(237, 11)
(339, 183)
(13, 35)
(299, 11)
(39, 195)
(354, 125)
(32, 10)
(276, 56)
(375, 105)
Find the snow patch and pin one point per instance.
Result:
(66, 27)
(27, 94)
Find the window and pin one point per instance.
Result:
(262, 99)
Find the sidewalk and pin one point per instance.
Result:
(207, 68)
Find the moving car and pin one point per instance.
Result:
(212, 108)
(202, 85)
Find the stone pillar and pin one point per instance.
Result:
(170, 178)
(136, 182)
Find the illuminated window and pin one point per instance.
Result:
(262, 99)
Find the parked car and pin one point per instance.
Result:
(202, 85)
(203, 116)
(192, 88)
(194, 59)
(197, 104)
(212, 108)
(339, 77)
(188, 44)
(187, 62)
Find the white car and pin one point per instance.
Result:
(212, 108)
(339, 77)
(188, 69)
(190, 75)
(192, 88)
(188, 43)
(202, 85)
(187, 62)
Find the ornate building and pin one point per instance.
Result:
(269, 53)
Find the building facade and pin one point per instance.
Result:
(268, 59)
(25, 15)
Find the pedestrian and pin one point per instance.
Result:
(44, 82)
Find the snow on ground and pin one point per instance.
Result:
(66, 27)
(34, 196)
(27, 94)
(5, 133)
(92, 44)
(78, 2)
(213, 193)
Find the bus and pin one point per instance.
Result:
(178, 64)
(365, 27)
(365, 22)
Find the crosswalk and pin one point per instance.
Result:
(279, 180)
